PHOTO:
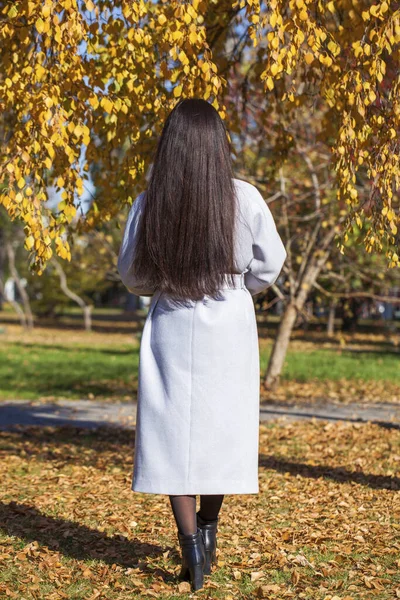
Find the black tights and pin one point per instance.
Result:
(184, 509)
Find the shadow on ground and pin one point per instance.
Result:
(79, 541)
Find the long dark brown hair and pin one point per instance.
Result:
(186, 234)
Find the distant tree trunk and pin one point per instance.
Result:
(280, 346)
(330, 328)
(2, 260)
(309, 275)
(86, 308)
(21, 289)
(15, 306)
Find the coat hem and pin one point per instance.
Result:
(230, 486)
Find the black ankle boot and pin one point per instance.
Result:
(193, 558)
(209, 532)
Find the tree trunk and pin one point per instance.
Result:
(15, 306)
(280, 347)
(2, 261)
(21, 289)
(309, 276)
(87, 317)
(86, 308)
(330, 328)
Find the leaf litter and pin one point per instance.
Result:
(325, 524)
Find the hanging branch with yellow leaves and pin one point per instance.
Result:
(86, 86)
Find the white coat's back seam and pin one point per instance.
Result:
(191, 389)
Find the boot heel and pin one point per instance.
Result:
(192, 546)
(207, 564)
(184, 574)
(196, 577)
(209, 531)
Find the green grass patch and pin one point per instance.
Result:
(328, 365)
(31, 370)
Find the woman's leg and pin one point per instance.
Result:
(184, 509)
(210, 505)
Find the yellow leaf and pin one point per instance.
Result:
(193, 38)
(29, 241)
(40, 71)
(274, 69)
(39, 25)
(183, 58)
(332, 46)
(78, 130)
(177, 91)
(270, 83)
(177, 35)
(89, 5)
(13, 12)
(309, 57)
(94, 102)
(107, 105)
(21, 183)
(50, 150)
(162, 19)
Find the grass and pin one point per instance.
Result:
(323, 365)
(324, 524)
(68, 363)
(29, 370)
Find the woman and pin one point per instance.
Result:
(201, 243)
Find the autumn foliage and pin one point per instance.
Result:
(85, 88)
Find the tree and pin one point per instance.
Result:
(11, 243)
(301, 194)
(87, 84)
(86, 308)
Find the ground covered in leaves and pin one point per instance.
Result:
(325, 524)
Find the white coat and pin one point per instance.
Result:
(197, 425)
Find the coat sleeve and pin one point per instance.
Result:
(127, 251)
(269, 253)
